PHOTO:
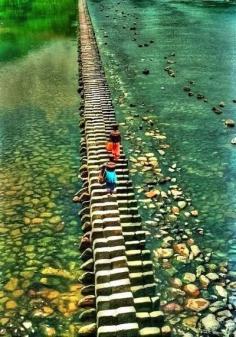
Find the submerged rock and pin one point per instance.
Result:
(172, 308)
(11, 284)
(198, 304)
(230, 123)
(57, 272)
(55, 220)
(146, 72)
(210, 323)
(195, 250)
(216, 110)
(192, 290)
(88, 301)
(186, 88)
(212, 276)
(182, 204)
(181, 249)
(164, 253)
(189, 278)
(88, 330)
(49, 331)
(87, 315)
(204, 281)
(233, 141)
(153, 193)
(11, 305)
(194, 213)
(176, 282)
(220, 291)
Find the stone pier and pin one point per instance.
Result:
(113, 246)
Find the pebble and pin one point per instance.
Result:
(49, 331)
(182, 204)
(153, 193)
(88, 330)
(230, 123)
(225, 314)
(11, 284)
(37, 221)
(191, 321)
(176, 282)
(212, 276)
(204, 281)
(172, 308)
(198, 304)
(195, 250)
(146, 72)
(11, 305)
(181, 249)
(216, 110)
(191, 290)
(233, 141)
(27, 324)
(189, 278)
(220, 291)
(161, 152)
(210, 323)
(194, 213)
(55, 220)
(164, 253)
(4, 320)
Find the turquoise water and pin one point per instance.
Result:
(39, 140)
(197, 40)
(39, 230)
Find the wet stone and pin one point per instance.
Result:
(88, 315)
(220, 291)
(88, 330)
(210, 323)
(197, 305)
(11, 284)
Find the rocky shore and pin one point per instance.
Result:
(194, 290)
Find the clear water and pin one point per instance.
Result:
(39, 140)
(39, 135)
(202, 36)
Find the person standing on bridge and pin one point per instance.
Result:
(113, 145)
(108, 175)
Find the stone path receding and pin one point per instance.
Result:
(113, 246)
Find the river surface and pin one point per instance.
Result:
(39, 140)
(197, 40)
(39, 137)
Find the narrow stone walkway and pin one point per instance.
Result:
(113, 246)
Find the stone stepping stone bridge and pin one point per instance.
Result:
(113, 245)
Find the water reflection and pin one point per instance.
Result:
(39, 229)
(27, 25)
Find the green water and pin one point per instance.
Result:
(202, 36)
(39, 140)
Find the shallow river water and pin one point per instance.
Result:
(203, 52)
(39, 140)
(195, 41)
